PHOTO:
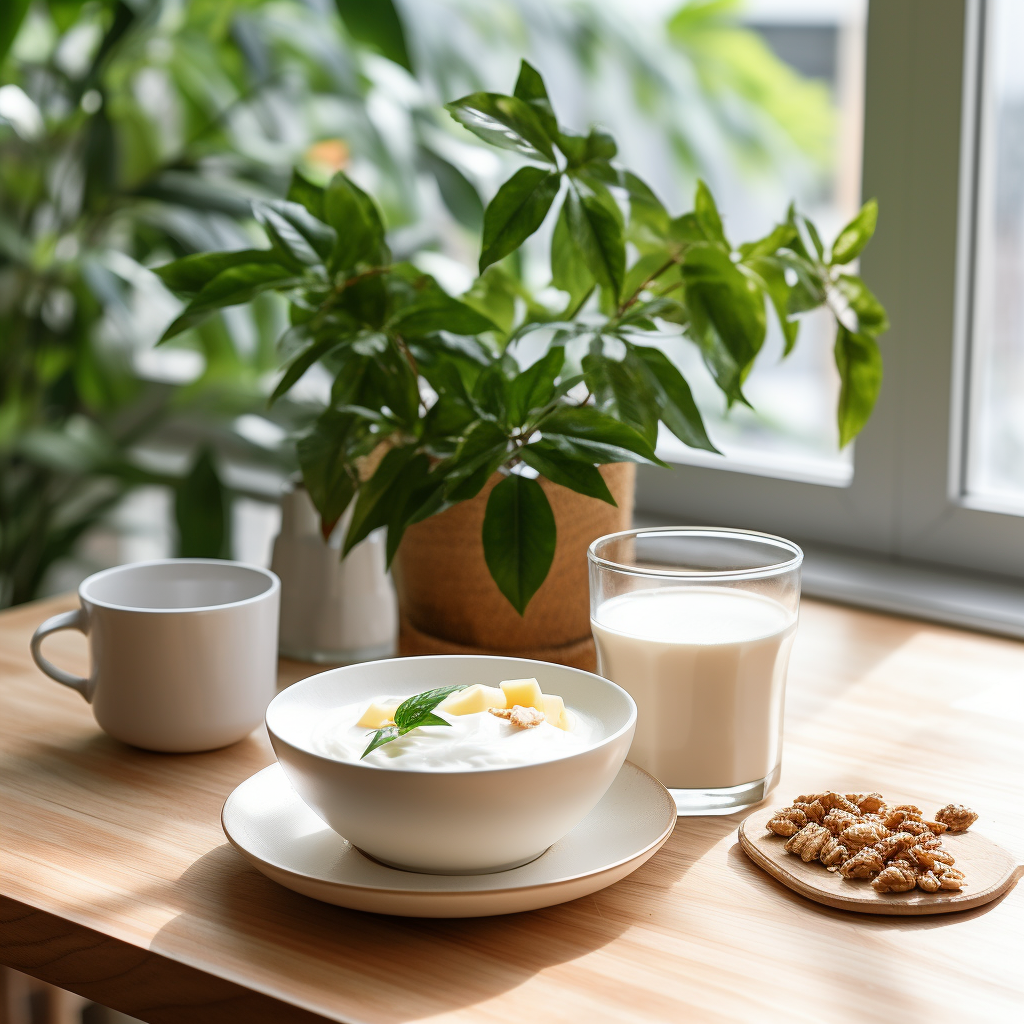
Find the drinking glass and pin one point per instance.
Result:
(697, 625)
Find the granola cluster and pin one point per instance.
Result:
(860, 835)
(520, 717)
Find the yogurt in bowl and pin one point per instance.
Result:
(478, 794)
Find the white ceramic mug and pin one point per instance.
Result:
(184, 651)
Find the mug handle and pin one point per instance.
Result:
(76, 619)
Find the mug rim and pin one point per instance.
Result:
(271, 577)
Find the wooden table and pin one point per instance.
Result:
(117, 883)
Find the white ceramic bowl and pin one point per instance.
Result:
(450, 822)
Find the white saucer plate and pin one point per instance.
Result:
(267, 822)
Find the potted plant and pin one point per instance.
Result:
(492, 436)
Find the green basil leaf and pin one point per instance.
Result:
(531, 89)
(860, 371)
(535, 386)
(354, 217)
(676, 406)
(598, 432)
(871, 316)
(295, 232)
(597, 233)
(380, 737)
(706, 212)
(851, 240)
(566, 471)
(232, 287)
(191, 274)
(519, 537)
(569, 271)
(516, 212)
(409, 714)
(507, 122)
(812, 231)
(307, 194)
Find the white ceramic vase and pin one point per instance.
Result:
(333, 611)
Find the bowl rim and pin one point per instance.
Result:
(606, 741)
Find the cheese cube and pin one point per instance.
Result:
(554, 711)
(472, 699)
(524, 692)
(376, 716)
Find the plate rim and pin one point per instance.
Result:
(470, 893)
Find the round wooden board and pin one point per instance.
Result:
(990, 872)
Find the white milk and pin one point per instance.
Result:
(707, 669)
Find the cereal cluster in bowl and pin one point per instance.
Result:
(860, 835)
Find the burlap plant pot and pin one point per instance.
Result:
(449, 604)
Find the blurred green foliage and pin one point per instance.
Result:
(136, 131)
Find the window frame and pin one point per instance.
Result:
(907, 498)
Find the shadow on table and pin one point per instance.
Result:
(400, 968)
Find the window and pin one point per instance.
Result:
(937, 475)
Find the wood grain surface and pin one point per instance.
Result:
(116, 881)
(990, 872)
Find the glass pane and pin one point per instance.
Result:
(791, 431)
(995, 465)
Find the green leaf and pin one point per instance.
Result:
(380, 737)
(851, 240)
(597, 233)
(12, 12)
(732, 301)
(372, 509)
(569, 270)
(676, 406)
(293, 230)
(201, 511)
(516, 212)
(435, 310)
(577, 428)
(411, 712)
(377, 24)
(191, 274)
(860, 370)
(302, 362)
(353, 215)
(457, 191)
(781, 235)
(871, 316)
(504, 121)
(567, 471)
(479, 455)
(621, 391)
(815, 237)
(772, 273)
(307, 194)
(706, 212)
(531, 89)
(328, 469)
(232, 287)
(535, 386)
(519, 536)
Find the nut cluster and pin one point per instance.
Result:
(860, 835)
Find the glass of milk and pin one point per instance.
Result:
(697, 625)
